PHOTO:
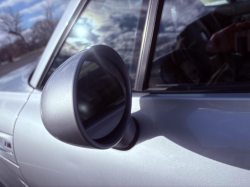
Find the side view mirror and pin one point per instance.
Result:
(87, 101)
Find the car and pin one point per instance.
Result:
(133, 93)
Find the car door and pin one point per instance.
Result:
(202, 87)
(14, 93)
(189, 135)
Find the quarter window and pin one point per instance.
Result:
(118, 24)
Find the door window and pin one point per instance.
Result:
(118, 24)
(202, 44)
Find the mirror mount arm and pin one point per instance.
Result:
(130, 137)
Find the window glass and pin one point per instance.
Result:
(25, 29)
(118, 24)
(202, 44)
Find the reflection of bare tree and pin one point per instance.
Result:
(119, 27)
(25, 40)
(43, 29)
(48, 11)
(10, 22)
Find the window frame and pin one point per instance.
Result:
(147, 41)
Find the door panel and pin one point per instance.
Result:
(162, 156)
(10, 106)
(6, 147)
(213, 125)
(14, 93)
(10, 174)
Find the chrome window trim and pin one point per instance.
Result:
(58, 37)
(146, 45)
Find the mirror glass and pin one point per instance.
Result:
(98, 93)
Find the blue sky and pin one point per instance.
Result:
(32, 10)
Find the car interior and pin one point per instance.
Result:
(185, 60)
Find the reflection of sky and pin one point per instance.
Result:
(32, 11)
(111, 22)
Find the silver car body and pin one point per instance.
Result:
(185, 139)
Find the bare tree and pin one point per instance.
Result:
(10, 22)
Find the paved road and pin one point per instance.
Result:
(6, 68)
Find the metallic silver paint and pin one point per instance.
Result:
(17, 80)
(14, 92)
(11, 104)
(154, 161)
(6, 152)
(57, 37)
(2, 148)
(10, 174)
(213, 125)
(57, 103)
(146, 45)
